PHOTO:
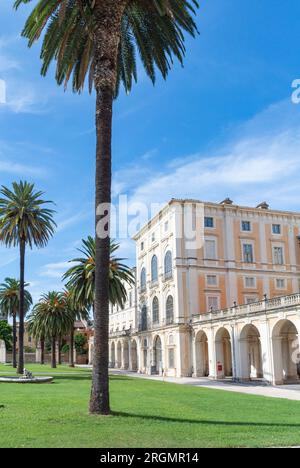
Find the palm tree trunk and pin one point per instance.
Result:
(53, 353)
(42, 351)
(20, 369)
(14, 340)
(59, 350)
(108, 17)
(71, 351)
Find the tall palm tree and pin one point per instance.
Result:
(10, 306)
(51, 318)
(81, 277)
(24, 221)
(99, 39)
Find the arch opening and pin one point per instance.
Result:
(202, 358)
(133, 354)
(223, 354)
(157, 356)
(285, 352)
(251, 355)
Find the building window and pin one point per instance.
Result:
(154, 269)
(144, 324)
(213, 303)
(208, 222)
(212, 280)
(246, 226)
(168, 265)
(143, 279)
(276, 229)
(250, 282)
(166, 226)
(280, 283)
(169, 310)
(250, 300)
(171, 358)
(155, 310)
(248, 253)
(142, 245)
(278, 255)
(210, 249)
(130, 299)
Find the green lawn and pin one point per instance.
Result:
(146, 414)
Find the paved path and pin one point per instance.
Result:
(290, 392)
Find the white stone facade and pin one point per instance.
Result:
(183, 317)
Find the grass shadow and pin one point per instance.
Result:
(204, 421)
(71, 377)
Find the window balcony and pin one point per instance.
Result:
(168, 276)
(154, 283)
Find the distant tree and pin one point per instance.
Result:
(79, 312)
(10, 306)
(24, 221)
(51, 318)
(81, 277)
(6, 333)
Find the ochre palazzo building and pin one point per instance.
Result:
(206, 277)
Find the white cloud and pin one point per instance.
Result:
(2, 91)
(261, 161)
(19, 169)
(72, 220)
(55, 270)
(24, 99)
(9, 153)
(7, 63)
(22, 95)
(7, 257)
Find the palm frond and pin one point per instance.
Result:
(155, 29)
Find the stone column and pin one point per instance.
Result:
(2, 352)
(277, 377)
(91, 350)
(185, 352)
(194, 353)
(234, 351)
(212, 355)
(38, 353)
(75, 355)
(139, 355)
(243, 368)
(267, 353)
(129, 356)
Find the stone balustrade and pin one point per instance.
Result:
(257, 307)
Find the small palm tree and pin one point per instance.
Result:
(24, 221)
(98, 40)
(81, 277)
(10, 306)
(79, 312)
(51, 318)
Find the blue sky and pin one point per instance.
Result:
(224, 125)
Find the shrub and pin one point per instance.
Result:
(6, 334)
(80, 341)
(29, 349)
(65, 348)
